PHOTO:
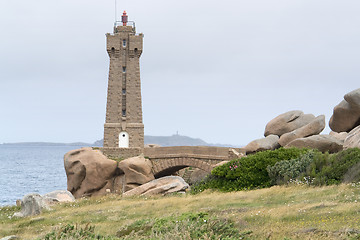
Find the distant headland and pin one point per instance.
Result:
(165, 141)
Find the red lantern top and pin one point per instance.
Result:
(124, 18)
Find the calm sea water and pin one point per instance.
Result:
(31, 169)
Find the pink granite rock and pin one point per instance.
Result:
(270, 142)
(138, 171)
(353, 139)
(313, 128)
(89, 172)
(324, 143)
(161, 186)
(346, 115)
(287, 122)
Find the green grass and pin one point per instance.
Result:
(280, 212)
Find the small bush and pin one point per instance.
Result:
(285, 170)
(332, 169)
(248, 172)
(213, 182)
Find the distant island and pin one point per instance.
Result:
(49, 144)
(164, 141)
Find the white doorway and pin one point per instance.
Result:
(123, 140)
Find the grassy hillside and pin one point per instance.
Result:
(286, 212)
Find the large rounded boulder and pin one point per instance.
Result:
(287, 122)
(270, 142)
(32, 204)
(346, 115)
(353, 139)
(324, 143)
(59, 196)
(313, 128)
(353, 97)
(89, 172)
(160, 186)
(137, 170)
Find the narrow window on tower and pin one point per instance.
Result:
(124, 69)
(124, 43)
(124, 113)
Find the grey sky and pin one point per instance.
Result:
(217, 70)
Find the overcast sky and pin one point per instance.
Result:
(215, 70)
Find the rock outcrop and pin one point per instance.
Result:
(13, 237)
(137, 170)
(270, 142)
(287, 122)
(59, 196)
(341, 136)
(353, 139)
(353, 98)
(33, 203)
(221, 163)
(163, 186)
(89, 172)
(346, 115)
(313, 128)
(196, 176)
(324, 143)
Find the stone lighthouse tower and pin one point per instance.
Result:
(124, 128)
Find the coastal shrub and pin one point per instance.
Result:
(335, 168)
(316, 168)
(248, 172)
(280, 166)
(286, 170)
(190, 225)
(213, 182)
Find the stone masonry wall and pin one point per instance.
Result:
(205, 152)
(122, 153)
(124, 109)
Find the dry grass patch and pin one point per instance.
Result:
(294, 212)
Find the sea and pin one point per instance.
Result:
(31, 169)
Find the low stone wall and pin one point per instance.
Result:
(168, 160)
(121, 152)
(199, 152)
(169, 166)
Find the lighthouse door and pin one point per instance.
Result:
(123, 140)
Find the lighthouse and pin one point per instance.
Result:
(124, 128)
